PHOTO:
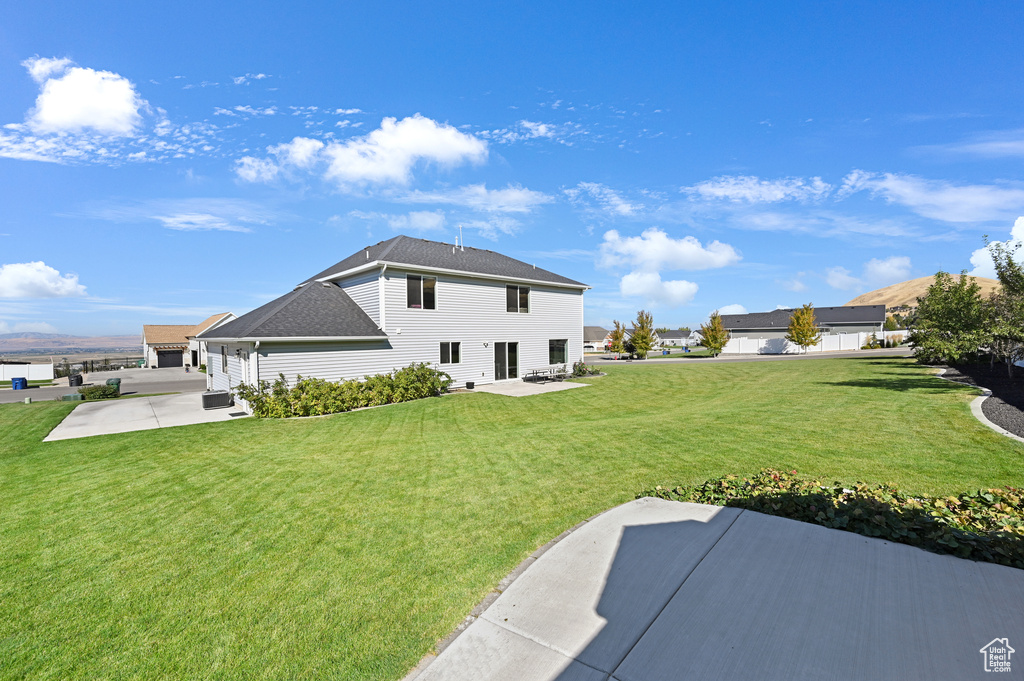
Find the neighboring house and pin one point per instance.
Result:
(477, 315)
(595, 338)
(676, 339)
(831, 320)
(173, 345)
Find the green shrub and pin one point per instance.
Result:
(316, 397)
(100, 392)
(202, 368)
(987, 525)
(581, 369)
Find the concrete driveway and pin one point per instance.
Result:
(133, 381)
(657, 589)
(141, 413)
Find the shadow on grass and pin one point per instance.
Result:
(930, 385)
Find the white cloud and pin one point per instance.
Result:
(654, 250)
(41, 68)
(266, 111)
(417, 220)
(388, 154)
(750, 189)
(981, 259)
(192, 222)
(735, 308)
(654, 291)
(795, 284)
(1000, 144)
(537, 129)
(840, 278)
(347, 112)
(607, 198)
(37, 280)
(876, 273)
(253, 169)
(511, 199)
(301, 152)
(879, 273)
(939, 199)
(494, 227)
(73, 99)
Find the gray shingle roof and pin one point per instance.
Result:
(592, 333)
(668, 335)
(776, 319)
(312, 310)
(435, 254)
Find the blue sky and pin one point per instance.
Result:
(162, 163)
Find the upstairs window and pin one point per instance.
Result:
(420, 292)
(556, 351)
(451, 353)
(517, 298)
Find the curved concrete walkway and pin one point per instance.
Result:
(662, 590)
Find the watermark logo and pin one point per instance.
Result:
(997, 655)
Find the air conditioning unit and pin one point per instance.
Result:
(214, 399)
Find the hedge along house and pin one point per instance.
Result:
(174, 345)
(831, 320)
(478, 315)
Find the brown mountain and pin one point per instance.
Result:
(33, 343)
(906, 293)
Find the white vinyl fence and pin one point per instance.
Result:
(33, 372)
(781, 346)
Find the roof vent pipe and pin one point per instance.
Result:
(367, 254)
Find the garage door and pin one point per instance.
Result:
(168, 358)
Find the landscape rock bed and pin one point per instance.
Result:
(1005, 407)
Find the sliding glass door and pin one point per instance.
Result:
(506, 361)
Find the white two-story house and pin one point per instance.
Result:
(478, 315)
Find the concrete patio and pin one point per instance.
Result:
(525, 389)
(657, 589)
(140, 413)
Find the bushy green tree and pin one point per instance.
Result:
(803, 327)
(1006, 307)
(643, 334)
(952, 320)
(891, 324)
(713, 334)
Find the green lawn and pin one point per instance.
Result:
(345, 547)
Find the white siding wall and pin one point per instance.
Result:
(219, 380)
(469, 311)
(364, 289)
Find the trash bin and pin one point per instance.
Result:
(114, 381)
(664, 352)
(74, 380)
(19, 383)
(470, 385)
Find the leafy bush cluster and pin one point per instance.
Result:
(100, 392)
(987, 525)
(582, 369)
(315, 396)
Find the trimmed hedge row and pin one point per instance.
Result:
(100, 392)
(987, 525)
(316, 397)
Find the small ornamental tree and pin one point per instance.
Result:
(1006, 307)
(643, 334)
(713, 334)
(803, 328)
(891, 324)
(617, 338)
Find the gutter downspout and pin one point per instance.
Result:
(256, 361)
(382, 297)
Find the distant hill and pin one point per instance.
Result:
(33, 334)
(15, 343)
(906, 293)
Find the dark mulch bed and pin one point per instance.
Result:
(1006, 406)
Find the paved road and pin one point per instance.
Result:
(656, 359)
(133, 381)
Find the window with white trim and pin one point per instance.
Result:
(451, 352)
(420, 292)
(556, 351)
(517, 298)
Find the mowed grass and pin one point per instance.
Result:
(345, 547)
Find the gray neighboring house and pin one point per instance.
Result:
(595, 338)
(478, 315)
(831, 320)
